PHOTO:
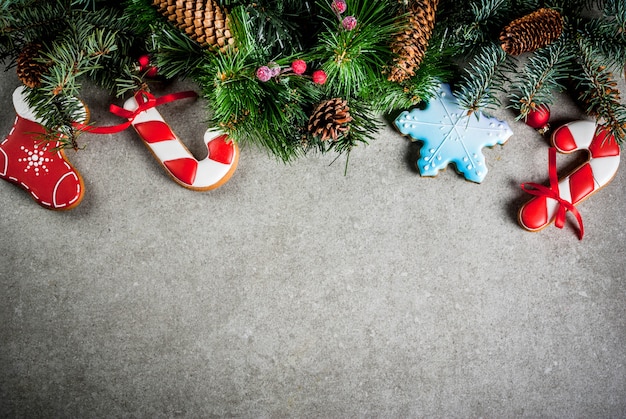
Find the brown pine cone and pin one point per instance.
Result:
(29, 67)
(410, 45)
(531, 32)
(330, 119)
(202, 20)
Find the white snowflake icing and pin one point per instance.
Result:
(35, 159)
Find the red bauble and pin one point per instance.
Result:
(538, 118)
(144, 62)
(146, 67)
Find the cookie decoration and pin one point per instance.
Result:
(551, 203)
(450, 135)
(209, 173)
(38, 166)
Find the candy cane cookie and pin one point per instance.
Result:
(209, 173)
(550, 204)
(38, 165)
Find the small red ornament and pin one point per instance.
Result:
(319, 77)
(538, 118)
(147, 68)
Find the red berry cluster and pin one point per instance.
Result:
(266, 72)
(339, 7)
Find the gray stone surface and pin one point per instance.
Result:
(296, 291)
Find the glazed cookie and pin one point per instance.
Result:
(209, 173)
(37, 166)
(450, 135)
(550, 204)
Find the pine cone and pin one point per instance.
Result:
(330, 119)
(28, 65)
(410, 45)
(202, 20)
(531, 32)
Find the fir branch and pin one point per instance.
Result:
(61, 113)
(482, 81)
(608, 40)
(24, 22)
(82, 39)
(277, 27)
(614, 11)
(177, 55)
(600, 94)
(541, 77)
(472, 29)
(387, 97)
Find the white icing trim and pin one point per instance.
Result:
(6, 163)
(56, 187)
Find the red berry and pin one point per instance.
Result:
(298, 66)
(264, 73)
(319, 77)
(538, 117)
(349, 23)
(339, 6)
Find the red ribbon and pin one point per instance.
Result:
(144, 100)
(552, 192)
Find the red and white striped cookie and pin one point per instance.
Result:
(209, 173)
(599, 170)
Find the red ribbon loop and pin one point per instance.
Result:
(552, 192)
(144, 100)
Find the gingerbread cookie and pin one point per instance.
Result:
(38, 166)
(209, 173)
(550, 204)
(450, 135)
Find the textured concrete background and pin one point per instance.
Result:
(294, 290)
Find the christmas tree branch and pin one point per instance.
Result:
(482, 80)
(540, 77)
(600, 94)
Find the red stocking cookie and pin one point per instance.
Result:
(551, 203)
(178, 162)
(34, 165)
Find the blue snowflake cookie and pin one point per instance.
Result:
(449, 135)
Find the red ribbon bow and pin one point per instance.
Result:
(552, 192)
(144, 100)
